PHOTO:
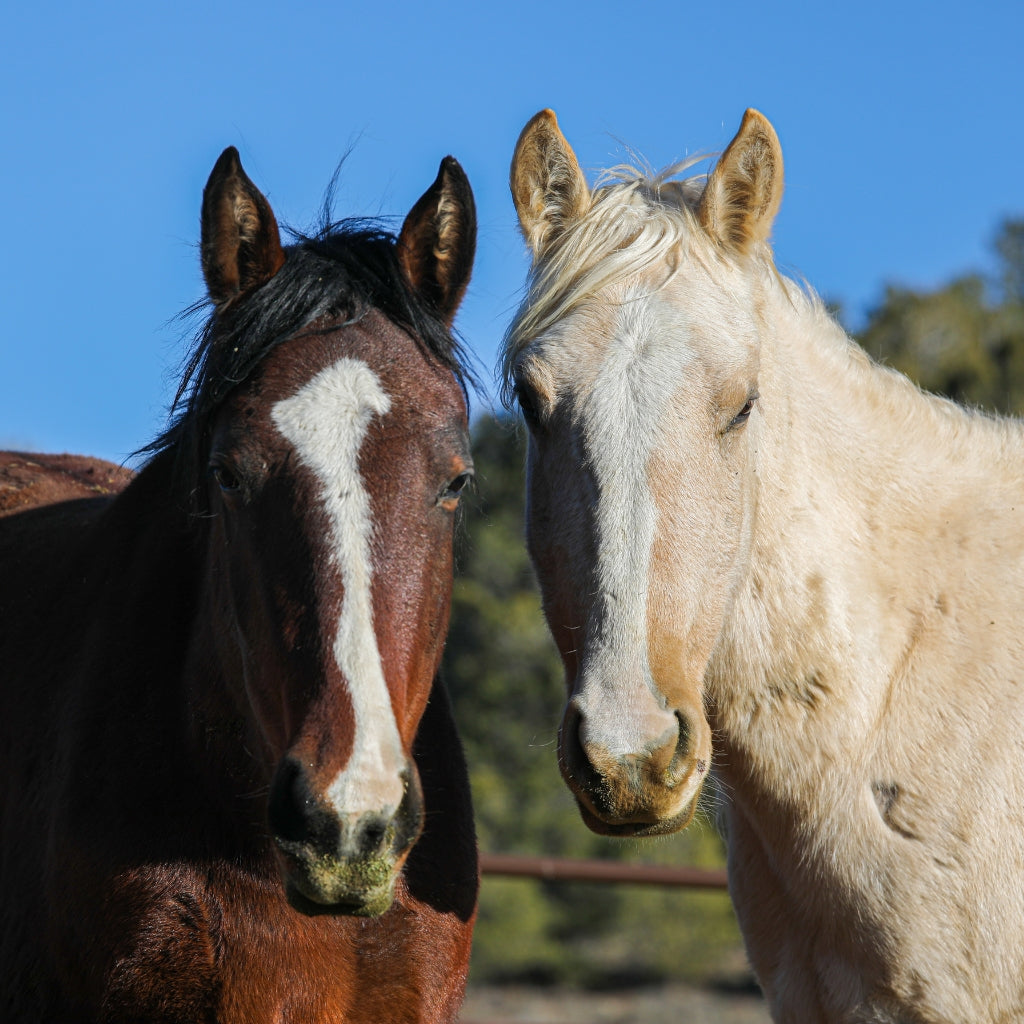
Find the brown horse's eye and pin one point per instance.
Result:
(449, 497)
(227, 480)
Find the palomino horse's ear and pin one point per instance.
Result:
(548, 187)
(241, 246)
(438, 240)
(745, 188)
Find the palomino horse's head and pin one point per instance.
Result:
(328, 415)
(635, 361)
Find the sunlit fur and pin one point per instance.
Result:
(843, 574)
(636, 221)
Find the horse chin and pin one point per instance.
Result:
(607, 825)
(354, 888)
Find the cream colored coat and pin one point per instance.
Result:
(752, 540)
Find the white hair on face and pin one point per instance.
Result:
(623, 708)
(636, 221)
(326, 421)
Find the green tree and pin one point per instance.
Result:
(964, 340)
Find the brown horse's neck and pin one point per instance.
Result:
(161, 687)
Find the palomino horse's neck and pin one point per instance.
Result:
(858, 693)
(870, 496)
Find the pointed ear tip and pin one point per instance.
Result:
(229, 158)
(543, 119)
(754, 117)
(449, 166)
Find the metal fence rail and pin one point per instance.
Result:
(562, 870)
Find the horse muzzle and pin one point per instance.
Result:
(652, 791)
(337, 862)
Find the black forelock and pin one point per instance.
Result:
(343, 271)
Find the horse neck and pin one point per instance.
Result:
(192, 694)
(866, 520)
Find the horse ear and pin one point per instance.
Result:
(744, 190)
(438, 240)
(241, 245)
(548, 187)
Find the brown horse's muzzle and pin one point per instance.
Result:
(334, 862)
(652, 791)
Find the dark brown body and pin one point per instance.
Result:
(179, 839)
(139, 888)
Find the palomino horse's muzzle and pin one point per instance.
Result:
(336, 862)
(652, 790)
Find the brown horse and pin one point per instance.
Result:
(231, 784)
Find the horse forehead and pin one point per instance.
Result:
(327, 417)
(321, 365)
(623, 359)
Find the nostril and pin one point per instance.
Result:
(570, 747)
(290, 806)
(573, 757)
(678, 768)
(374, 834)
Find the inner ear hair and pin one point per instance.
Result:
(548, 188)
(744, 190)
(241, 243)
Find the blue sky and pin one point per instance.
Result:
(901, 126)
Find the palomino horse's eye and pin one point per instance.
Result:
(449, 497)
(526, 406)
(744, 414)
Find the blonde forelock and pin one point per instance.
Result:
(636, 220)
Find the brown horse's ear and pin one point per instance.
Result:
(744, 190)
(438, 240)
(241, 245)
(548, 187)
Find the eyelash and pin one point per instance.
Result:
(744, 414)
(526, 407)
(454, 490)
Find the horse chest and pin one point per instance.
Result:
(254, 962)
(873, 926)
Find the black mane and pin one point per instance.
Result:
(344, 270)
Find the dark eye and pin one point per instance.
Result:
(226, 478)
(744, 414)
(526, 406)
(449, 497)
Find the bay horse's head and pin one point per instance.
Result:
(326, 432)
(634, 360)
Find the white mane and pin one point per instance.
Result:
(640, 218)
(637, 219)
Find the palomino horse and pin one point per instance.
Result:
(231, 784)
(756, 545)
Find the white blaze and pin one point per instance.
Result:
(326, 421)
(623, 711)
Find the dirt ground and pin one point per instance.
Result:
(667, 1004)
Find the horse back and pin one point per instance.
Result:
(49, 508)
(31, 480)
